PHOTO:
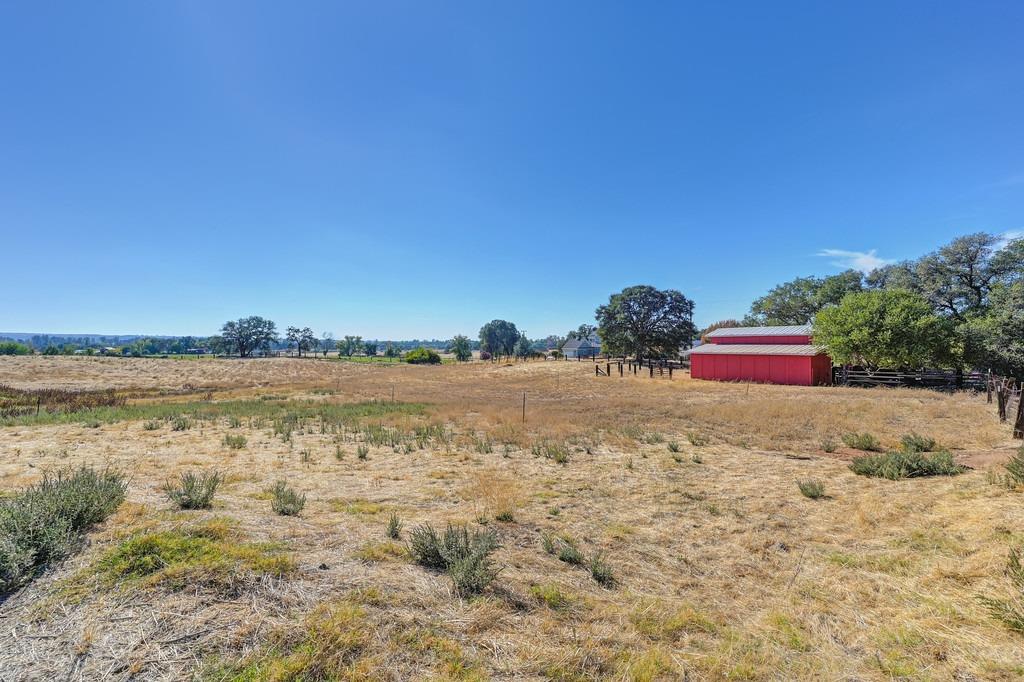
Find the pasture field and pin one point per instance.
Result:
(647, 529)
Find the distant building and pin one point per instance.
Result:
(582, 348)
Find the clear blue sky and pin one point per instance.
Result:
(411, 169)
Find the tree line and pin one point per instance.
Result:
(960, 306)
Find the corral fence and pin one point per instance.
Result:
(1008, 395)
(608, 366)
(944, 380)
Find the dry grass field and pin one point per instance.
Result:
(687, 490)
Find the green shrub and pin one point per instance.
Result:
(286, 501)
(362, 452)
(394, 526)
(423, 356)
(465, 556)
(43, 522)
(673, 446)
(601, 571)
(425, 547)
(194, 491)
(828, 444)
(861, 441)
(181, 424)
(234, 442)
(913, 442)
(812, 489)
(152, 425)
(14, 348)
(900, 465)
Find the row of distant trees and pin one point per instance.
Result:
(961, 306)
(639, 321)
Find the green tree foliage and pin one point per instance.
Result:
(291, 336)
(958, 278)
(349, 345)
(461, 348)
(370, 348)
(14, 348)
(423, 356)
(248, 334)
(523, 347)
(391, 350)
(646, 322)
(887, 328)
(798, 301)
(499, 337)
(995, 340)
(581, 332)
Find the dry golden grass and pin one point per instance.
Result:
(724, 570)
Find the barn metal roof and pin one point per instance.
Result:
(790, 330)
(755, 349)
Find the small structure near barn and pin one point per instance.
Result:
(588, 347)
(774, 355)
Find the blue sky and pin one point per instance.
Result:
(409, 169)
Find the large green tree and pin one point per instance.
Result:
(248, 334)
(461, 349)
(891, 328)
(646, 322)
(499, 337)
(996, 340)
(799, 300)
(523, 347)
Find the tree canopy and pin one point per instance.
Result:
(248, 334)
(499, 337)
(646, 322)
(798, 301)
(885, 328)
(996, 340)
(461, 348)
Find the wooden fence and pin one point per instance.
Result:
(947, 380)
(605, 366)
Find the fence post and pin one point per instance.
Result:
(1018, 423)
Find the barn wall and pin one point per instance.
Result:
(793, 370)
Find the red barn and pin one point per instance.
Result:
(774, 355)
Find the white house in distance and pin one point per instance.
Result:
(582, 348)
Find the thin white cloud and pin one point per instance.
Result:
(865, 261)
(1008, 236)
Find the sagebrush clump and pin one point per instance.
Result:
(812, 488)
(463, 555)
(861, 441)
(194, 490)
(43, 522)
(286, 501)
(900, 465)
